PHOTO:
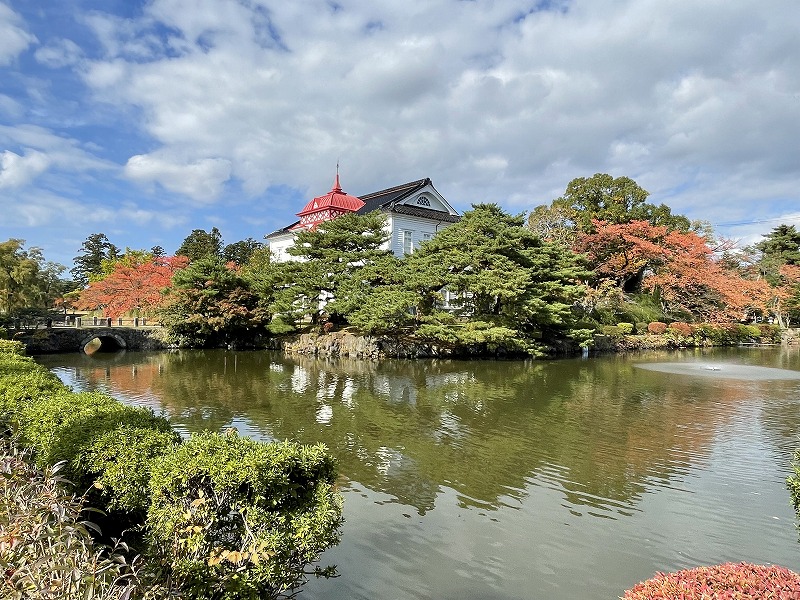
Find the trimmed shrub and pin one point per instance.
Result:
(234, 518)
(625, 328)
(12, 347)
(611, 331)
(120, 461)
(720, 582)
(94, 433)
(749, 333)
(641, 328)
(656, 328)
(770, 334)
(682, 329)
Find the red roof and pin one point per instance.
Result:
(336, 198)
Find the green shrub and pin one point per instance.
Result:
(641, 327)
(612, 331)
(749, 333)
(80, 429)
(3, 333)
(770, 334)
(120, 461)
(11, 347)
(234, 518)
(656, 328)
(625, 328)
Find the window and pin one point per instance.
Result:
(427, 237)
(408, 242)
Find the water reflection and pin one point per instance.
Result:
(565, 479)
(602, 432)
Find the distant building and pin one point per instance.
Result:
(414, 211)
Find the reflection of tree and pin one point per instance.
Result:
(602, 431)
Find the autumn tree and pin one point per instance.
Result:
(88, 264)
(210, 304)
(600, 197)
(678, 267)
(135, 287)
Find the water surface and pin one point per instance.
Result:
(558, 479)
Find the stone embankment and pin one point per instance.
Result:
(348, 345)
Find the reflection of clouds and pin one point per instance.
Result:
(396, 389)
(442, 379)
(450, 427)
(324, 414)
(299, 380)
(388, 459)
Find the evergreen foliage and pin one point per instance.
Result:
(89, 263)
(210, 304)
(201, 244)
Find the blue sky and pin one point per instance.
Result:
(145, 120)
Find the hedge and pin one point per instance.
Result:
(225, 517)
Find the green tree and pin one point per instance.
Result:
(507, 287)
(27, 281)
(605, 198)
(782, 244)
(210, 305)
(89, 263)
(334, 260)
(241, 251)
(201, 244)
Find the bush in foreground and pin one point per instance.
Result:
(46, 547)
(720, 582)
(234, 518)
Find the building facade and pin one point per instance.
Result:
(414, 213)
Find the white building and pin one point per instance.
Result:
(414, 212)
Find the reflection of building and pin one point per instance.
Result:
(414, 212)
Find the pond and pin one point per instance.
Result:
(557, 479)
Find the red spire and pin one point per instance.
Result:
(329, 206)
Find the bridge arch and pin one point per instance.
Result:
(109, 342)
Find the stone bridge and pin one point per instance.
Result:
(89, 339)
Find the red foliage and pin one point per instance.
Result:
(131, 287)
(683, 329)
(681, 266)
(656, 327)
(720, 582)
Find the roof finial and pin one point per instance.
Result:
(336, 186)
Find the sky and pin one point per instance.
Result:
(144, 120)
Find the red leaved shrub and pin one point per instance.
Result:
(683, 329)
(656, 328)
(720, 582)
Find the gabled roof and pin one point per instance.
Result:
(388, 200)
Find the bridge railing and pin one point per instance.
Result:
(81, 322)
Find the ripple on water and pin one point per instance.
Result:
(719, 370)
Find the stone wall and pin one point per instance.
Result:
(348, 345)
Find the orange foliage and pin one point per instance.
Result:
(131, 287)
(680, 266)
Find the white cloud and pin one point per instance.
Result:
(59, 53)
(14, 39)
(700, 103)
(45, 150)
(17, 171)
(202, 179)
